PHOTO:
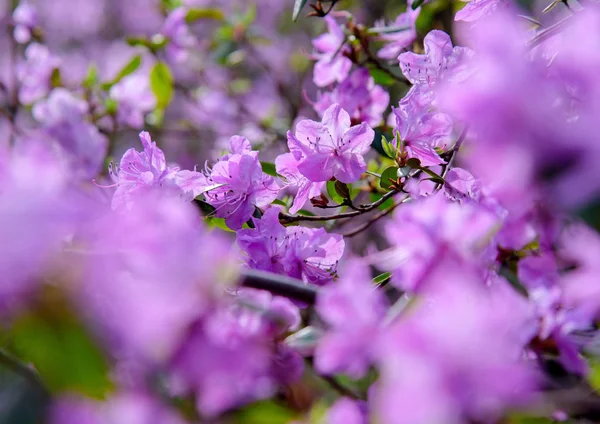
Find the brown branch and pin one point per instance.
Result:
(359, 210)
(280, 285)
(374, 219)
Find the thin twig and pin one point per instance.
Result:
(374, 219)
(359, 211)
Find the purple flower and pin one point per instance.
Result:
(331, 64)
(438, 362)
(421, 132)
(244, 185)
(134, 98)
(140, 173)
(347, 411)
(422, 230)
(397, 42)
(35, 73)
(25, 18)
(149, 276)
(230, 357)
(477, 9)
(287, 167)
(460, 184)
(331, 148)
(353, 311)
(359, 96)
(63, 118)
(121, 408)
(305, 253)
(179, 38)
(441, 61)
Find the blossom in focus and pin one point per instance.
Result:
(331, 148)
(35, 73)
(139, 173)
(287, 166)
(309, 254)
(62, 116)
(439, 362)
(242, 184)
(134, 98)
(421, 132)
(352, 310)
(332, 66)
(396, 42)
(359, 96)
(25, 18)
(441, 61)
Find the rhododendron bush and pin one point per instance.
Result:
(303, 211)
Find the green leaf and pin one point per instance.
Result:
(385, 205)
(91, 77)
(381, 77)
(388, 148)
(342, 189)
(111, 106)
(55, 78)
(388, 175)
(594, 375)
(414, 163)
(279, 202)
(266, 412)
(417, 3)
(333, 194)
(305, 212)
(194, 15)
(218, 223)
(382, 278)
(63, 352)
(269, 168)
(129, 68)
(161, 82)
(434, 177)
(298, 6)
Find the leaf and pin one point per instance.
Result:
(414, 163)
(55, 78)
(594, 375)
(434, 177)
(298, 6)
(389, 175)
(194, 15)
(333, 194)
(269, 168)
(161, 82)
(305, 340)
(381, 77)
(111, 106)
(278, 202)
(417, 3)
(382, 278)
(129, 68)
(388, 30)
(388, 148)
(266, 412)
(218, 223)
(306, 212)
(342, 189)
(91, 77)
(63, 352)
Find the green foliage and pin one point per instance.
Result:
(388, 176)
(91, 77)
(194, 15)
(62, 351)
(333, 194)
(382, 278)
(381, 77)
(268, 168)
(162, 84)
(55, 78)
(267, 412)
(129, 68)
